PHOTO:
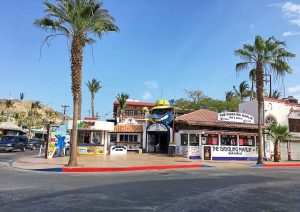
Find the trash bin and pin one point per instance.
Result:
(140, 150)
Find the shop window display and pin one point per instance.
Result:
(184, 139)
(228, 140)
(246, 141)
(194, 140)
(207, 139)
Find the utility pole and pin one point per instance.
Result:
(65, 110)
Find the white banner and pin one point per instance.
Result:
(236, 117)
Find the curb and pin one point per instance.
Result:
(268, 165)
(121, 169)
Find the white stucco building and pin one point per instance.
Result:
(284, 112)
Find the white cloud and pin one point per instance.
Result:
(151, 84)
(289, 34)
(292, 12)
(147, 95)
(294, 89)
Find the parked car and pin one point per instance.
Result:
(35, 143)
(13, 142)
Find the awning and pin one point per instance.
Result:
(10, 126)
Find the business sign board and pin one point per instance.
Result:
(223, 152)
(236, 117)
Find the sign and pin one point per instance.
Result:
(157, 128)
(233, 151)
(118, 150)
(85, 150)
(236, 117)
(86, 124)
(57, 141)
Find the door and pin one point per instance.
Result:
(207, 152)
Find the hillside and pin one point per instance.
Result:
(20, 112)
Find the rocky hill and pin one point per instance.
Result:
(22, 112)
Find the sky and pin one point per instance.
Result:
(163, 49)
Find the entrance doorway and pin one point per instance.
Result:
(158, 142)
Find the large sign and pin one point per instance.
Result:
(236, 117)
(233, 151)
(157, 128)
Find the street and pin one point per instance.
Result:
(211, 189)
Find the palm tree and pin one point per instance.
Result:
(22, 96)
(94, 86)
(32, 113)
(77, 20)
(264, 55)
(122, 98)
(278, 133)
(229, 96)
(243, 91)
(276, 94)
(252, 77)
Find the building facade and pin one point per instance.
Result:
(285, 112)
(204, 135)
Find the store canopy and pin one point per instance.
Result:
(10, 126)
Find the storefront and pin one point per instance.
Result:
(129, 135)
(92, 137)
(203, 135)
(159, 130)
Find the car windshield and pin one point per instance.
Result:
(8, 138)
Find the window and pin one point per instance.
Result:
(228, 140)
(128, 138)
(294, 125)
(128, 113)
(113, 137)
(137, 112)
(184, 139)
(209, 139)
(246, 141)
(194, 140)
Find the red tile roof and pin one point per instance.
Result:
(204, 117)
(286, 102)
(128, 128)
(135, 103)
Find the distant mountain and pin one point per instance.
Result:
(21, 112)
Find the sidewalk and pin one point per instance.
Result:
(132, 162)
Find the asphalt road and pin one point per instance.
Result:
(251, 189)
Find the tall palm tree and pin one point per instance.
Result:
(243, 91)
(278, 133)
(122, 98)
(77, 20)
(8, 105)
(252, 77)
(264, 55)
(94, 86)
(22, 96)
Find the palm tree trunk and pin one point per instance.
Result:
(76, 66)
(93, 106)
(260, 102)
(276, 155)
